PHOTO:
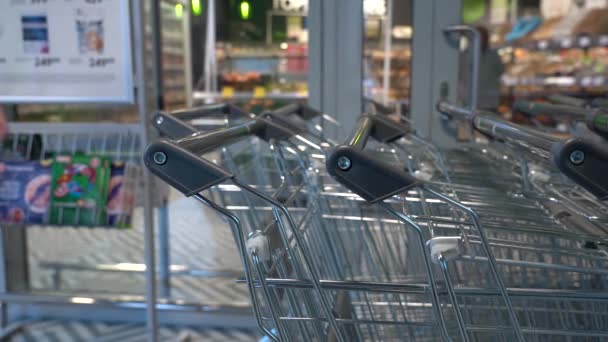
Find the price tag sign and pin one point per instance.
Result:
(259, 92)
(584, 42)
(585, 81)
(228, 92)
(65, 51)
(598, 80)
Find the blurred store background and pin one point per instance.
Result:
(257, 54)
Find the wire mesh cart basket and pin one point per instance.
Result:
(344, 243)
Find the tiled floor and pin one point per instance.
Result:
(56, 331)
(199, 239)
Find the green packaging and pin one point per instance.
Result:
(79, 186)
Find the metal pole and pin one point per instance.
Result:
(157, 79)
(335, 61)
(434, 66)
(388, 42)
(188, 73)
(142, 102)
(210, 67)
(157, 53)
(476, 46)
(164, 247)
(268, 28)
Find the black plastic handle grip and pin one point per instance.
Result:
(585, 161)
(180, 164)
(363, 174)
(182, 169)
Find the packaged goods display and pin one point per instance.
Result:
(90, 28)
(121, 197)
(24, 191)
(35, 34)
(79, 190)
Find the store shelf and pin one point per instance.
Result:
(567, 81)
(561, 43)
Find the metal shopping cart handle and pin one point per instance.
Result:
(383, 111)
(561, 99)
(598, 102)
(595, 118)
(174, 125)
(363, 174)
(583, 159)
(179, 163)
(379, 107)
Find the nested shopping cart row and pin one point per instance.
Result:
(345, 242)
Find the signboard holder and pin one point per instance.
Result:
(66, 52)
(130, 72)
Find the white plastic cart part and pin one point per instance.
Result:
(259, 242)
(449, 247)
(538, 173)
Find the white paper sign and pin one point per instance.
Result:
(370, 7)
(65, 51)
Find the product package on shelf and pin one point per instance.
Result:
(121, 195)
(594, 23)
(79, 190)
(25, 188)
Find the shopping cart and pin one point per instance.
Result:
(530, 154)
(547, 159)
(549, 288)
(341, 269)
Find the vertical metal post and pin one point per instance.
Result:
(210, 67)
(335, 82)
(269, 28)
(157, 53)
(388, 42)
(139, 46)
(164, 257)
(434, 66)
(188, 73)
(476, 64)
(158, 94)
(14, 270)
